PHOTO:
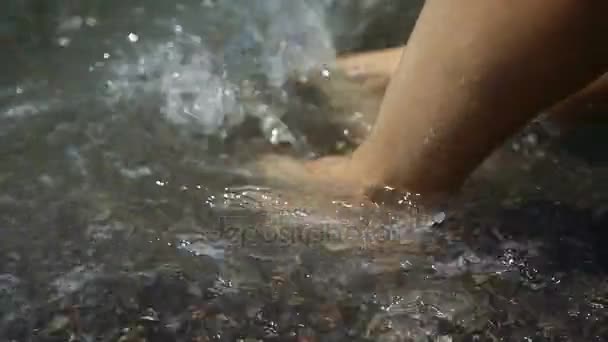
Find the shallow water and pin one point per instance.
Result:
(129, 212)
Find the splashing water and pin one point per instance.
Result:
(215, 87)
(124, 127)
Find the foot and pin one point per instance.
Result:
(338, 179)
(330, 176)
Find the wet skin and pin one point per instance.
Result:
(471, 76)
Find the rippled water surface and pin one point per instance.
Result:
(129, 212)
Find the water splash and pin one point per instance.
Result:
(216, 87)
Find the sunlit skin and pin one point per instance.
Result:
(473, 74)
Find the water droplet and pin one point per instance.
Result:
(532, 139)
(276, 131)
(325, 73)
(136, 172)
(406, 266)
(438, 218)
(133, 38)
(90, 21)
(597, 306)
(63, 41)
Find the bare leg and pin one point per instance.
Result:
(374, 70)
(472, 75)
